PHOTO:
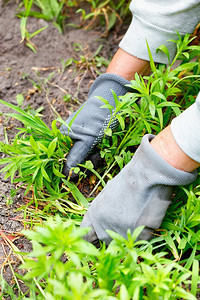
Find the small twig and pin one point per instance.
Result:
(6, 260)
(60, 88)
(79, 83)
(16, 250)
(49, 102)
(19, 289)
(12, 232)
(96, 186)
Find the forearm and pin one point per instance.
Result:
(126, 65)
(166, 146)
(155, 22)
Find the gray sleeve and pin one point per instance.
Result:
(156, 21)
(186, 130)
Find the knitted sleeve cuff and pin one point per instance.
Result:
(139, 33)
(156, 22)
(186, 130)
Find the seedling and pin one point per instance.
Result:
(87, 61)
(108, 13)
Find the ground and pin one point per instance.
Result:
(24, 72)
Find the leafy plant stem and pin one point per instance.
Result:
(102, 178)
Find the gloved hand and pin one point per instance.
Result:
(89, 125)
(139, 195)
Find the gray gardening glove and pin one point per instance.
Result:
(88, 127)
(139, 195)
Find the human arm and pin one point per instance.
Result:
(140, 193)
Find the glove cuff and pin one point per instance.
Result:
(104, 80)
(139, 195)
(167, 174)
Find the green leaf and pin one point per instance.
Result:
(160, 116)
(186, 66)
(191, 258)
(76, 193)
(115, 98)
(37, 31)
(33, 144)
(176, 110)
(121, 121)
(23, 28)
(112, 20)
(137, 232)
(159, 95)
(52, 147)
(152, 64)
(28, 5)
(168, 104)
(58, 287)
(74, 117)
(44, 173)
(195, 277)
(42, 147)
(164, 49)
(110, 107)
(183, 243)
(120, 161)
(108, 131)
(57, 172)
(123, 294)
(152, 108)
(117, 237)
(28, 120)
(20, 99)
(172, 246)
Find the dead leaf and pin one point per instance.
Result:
(92, 179)
(42, 69)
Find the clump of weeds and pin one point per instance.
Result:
(85, 61)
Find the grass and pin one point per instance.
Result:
(64, 266)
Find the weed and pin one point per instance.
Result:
(50, 11)
(25, 35)
(67, 98)
(158, 94)
(88, 62)
(108, 13)
(35, 150)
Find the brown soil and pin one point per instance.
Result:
(23, 72)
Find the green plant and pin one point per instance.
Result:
(37, 153)
(108, 12)
(67, 267)
(25, 35)
(50, 11)
(87, 61)
(159, 97)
